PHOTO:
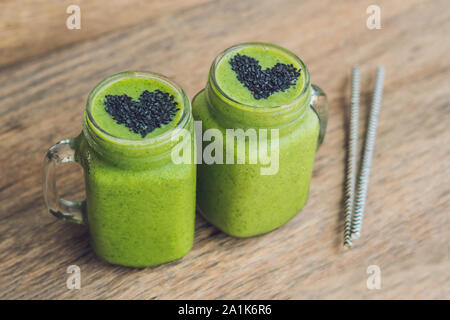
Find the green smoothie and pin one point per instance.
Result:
(267, 57)
(132, 87)
(140, 205)
(237, 198)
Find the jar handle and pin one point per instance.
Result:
(61, 152)
(319, 104)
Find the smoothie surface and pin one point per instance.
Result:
(267, 57)
(132, 87)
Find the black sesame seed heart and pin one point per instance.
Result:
(153, 110)
(263, 83)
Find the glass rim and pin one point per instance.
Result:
(108, 137)
(289, 53)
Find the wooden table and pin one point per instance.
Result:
(47, 71)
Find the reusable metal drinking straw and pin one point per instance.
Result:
(364, 176)
(350, 179)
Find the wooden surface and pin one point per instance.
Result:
(47, 71)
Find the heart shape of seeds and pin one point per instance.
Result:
(263, 83)
(151, 111)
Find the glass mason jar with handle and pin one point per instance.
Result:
(140, 205)
(245, 198)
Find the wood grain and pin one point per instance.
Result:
(47, 75)
(29, 28)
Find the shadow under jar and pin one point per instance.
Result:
(241, 197)
(140, 205)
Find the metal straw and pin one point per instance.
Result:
(350, 180)
(364, 176)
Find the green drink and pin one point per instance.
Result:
(239, 198)
(267, 57)
(140, 205)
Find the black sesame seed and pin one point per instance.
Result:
(263, 83)
(151, 111)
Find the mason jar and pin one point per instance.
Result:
(140, 205)
(244, 197)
